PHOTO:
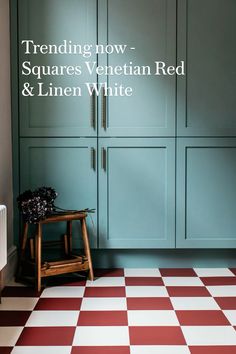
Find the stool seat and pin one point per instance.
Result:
(73, 263)
(64, 217)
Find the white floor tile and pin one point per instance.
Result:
(222, 290)
(182, 281)
(213, 272)
(64, 291)
(152, 318)
(159, 349)
(194, 303)
(146, 291)
(231, 315)
(41, 350)
(107, 281)
(18, 303)
(142, 272)
(9, 336)
(96, 304)
(52, 318)
(209, 335)
(101, 335)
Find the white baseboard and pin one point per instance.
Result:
(10, 269)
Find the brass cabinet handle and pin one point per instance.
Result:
(104, 109)
(93, 159)
(104, 159)
(93, 110)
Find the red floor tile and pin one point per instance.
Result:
(20, 291)
(6, 350)
(149, 303)
(116, 272)
(100, 350)
(226, 303)
(230, 349)
(187, 291)
(105, 291)
(177, 272)
(75, 283)
(139, 335)
(168, 335)
(145, 281)
(65, 304)
(218, 281)
(14, 318)
(103, 318)
(44, 336)
(202, 318)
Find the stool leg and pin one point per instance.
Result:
(38, 256)
(69, 235)
(32, 248)
(87, 247)
(66, 248)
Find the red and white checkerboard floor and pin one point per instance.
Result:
(130, 311)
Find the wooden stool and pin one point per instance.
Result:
(74, 264)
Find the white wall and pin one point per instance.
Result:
(6, 195)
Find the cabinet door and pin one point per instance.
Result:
(137, 193)
(206, 41)
(206, 194)
(68, 165)
(148, 29)
(53, 22)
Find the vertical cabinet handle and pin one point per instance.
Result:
(104, 159)
(93, 110)
(93, 159)
(104, 109)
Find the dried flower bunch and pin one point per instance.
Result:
(37, 205)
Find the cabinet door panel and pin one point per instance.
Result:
(149, 27)
(137, 194)
(52, 22)
(206, 95)
(67, 166)
(206, 195)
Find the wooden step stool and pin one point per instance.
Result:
(71, 265)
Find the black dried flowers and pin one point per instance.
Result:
(37, 205)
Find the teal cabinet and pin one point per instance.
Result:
(156, 165)
(148, 29)
(137, 193)
(150, 111)
(69, 166)
(206, 41)
(206, 194)
(52, 23)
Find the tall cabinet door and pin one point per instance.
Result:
(206, 194)
(65, 23)
(206, 41)
(137, 193)
(69, 166)
(148, 29)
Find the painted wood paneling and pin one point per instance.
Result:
(135, 179)
(66, 165)
(150, 28)
(137, 193)
(52, 22)
(206, 102)
(206, 194)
